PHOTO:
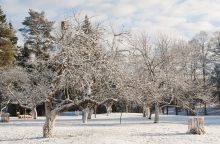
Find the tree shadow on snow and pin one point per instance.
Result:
(144, 134)
(20, 139)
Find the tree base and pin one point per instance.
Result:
(198, 131)
(196, 125)
(5, 117)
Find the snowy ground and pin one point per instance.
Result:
(106, 130)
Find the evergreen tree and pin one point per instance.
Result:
(86, 27)
(2, 16)
(7, 41)
(6, 52)
(37, 32)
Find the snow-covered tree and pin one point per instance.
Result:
(23, 88)
(84, 69)
(158, 78)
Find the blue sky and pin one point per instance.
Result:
(179, 17)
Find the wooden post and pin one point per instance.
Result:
(5, 117)
(196, 125)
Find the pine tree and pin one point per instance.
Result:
(5, 29)
(7, 41)
(37, 32)
(2, 16)
(86, 27)
(6, 53)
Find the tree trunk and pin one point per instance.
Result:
(144, 114)
(157, 111)
(196, 125)
(126, 108)
(49, 112)
(25, 113)
(85, 113)
(50, 120)
(144, 111)
(163, 110)
(5, 117)
(34, 112)
(176, 109)
(148, 111)
(95, 109)
(167, 110)
(218, 96)
(149, 117)
(90, 113)
(205, 109)
(49, 124)
(109, 109)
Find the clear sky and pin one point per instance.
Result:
(182, 17)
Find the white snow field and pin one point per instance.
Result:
(106, 130)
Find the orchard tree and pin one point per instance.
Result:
(215, 77)
(84, 68)
(156, 71)
(37, 32)
(199, 69)
(24, 88)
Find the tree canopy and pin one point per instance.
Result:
(37, 32)
(7, 41)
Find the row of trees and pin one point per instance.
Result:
(173, 72)
(83, 64)
(72, 68)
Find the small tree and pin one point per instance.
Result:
(22, 88)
